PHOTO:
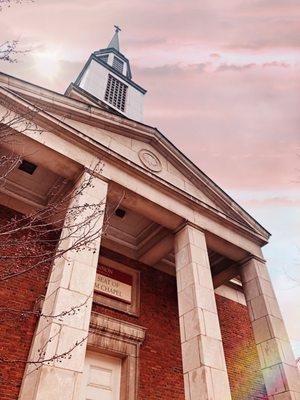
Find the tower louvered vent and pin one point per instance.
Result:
(118, 64)
(115, 93)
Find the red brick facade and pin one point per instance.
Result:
(160, 355)
(18, 294)
(161, 374)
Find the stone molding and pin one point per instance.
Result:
(248, 227)
(116, 328)
(150, 160)
(120, 339)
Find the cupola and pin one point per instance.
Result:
(107, 78)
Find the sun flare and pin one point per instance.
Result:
(47, 63)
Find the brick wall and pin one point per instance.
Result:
(245, 378)
(161, 376)
(160, 356)
(18, 294)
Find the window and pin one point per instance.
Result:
(118, 64)
(115, 93)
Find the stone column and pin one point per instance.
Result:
(276, 357)
(71, 285)
(204, 368)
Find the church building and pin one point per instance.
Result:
(136, 277)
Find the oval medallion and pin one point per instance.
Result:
(150, 160)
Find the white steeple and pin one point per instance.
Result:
(107, 78)
(114, 43)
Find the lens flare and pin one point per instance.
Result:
(47, 63)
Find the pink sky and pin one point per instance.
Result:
(223, 81)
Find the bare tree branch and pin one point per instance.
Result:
(34, 241)
(9, 3)
(9, 51)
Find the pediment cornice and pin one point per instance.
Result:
(31, 96)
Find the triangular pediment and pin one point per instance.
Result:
(155, 160)
(145, 156)
(144, 147)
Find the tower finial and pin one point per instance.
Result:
(114, 43)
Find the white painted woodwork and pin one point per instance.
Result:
(94, 81)
(101, 377)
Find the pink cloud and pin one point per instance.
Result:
(215, 56)
(273, 202)
(235, 67)
(276, 64)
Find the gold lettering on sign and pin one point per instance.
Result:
(113, 288)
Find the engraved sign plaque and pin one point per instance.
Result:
(114, 284)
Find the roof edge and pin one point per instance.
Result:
(161, 138)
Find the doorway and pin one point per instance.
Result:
(101, 377)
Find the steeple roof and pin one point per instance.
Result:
(114, 43)
(107, 77)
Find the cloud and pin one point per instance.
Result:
(246, 117)
(223, 67)
(172, 70)
(139, 42)
(165, 25)
(262, 38)
(234, 67)
(271, 7)
(215, 56)
(276, 64)
(67, 72)
(274, 201)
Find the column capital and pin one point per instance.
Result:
(251, 257)
(95, 173)
(185, 224)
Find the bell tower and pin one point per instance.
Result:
(106, 78)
